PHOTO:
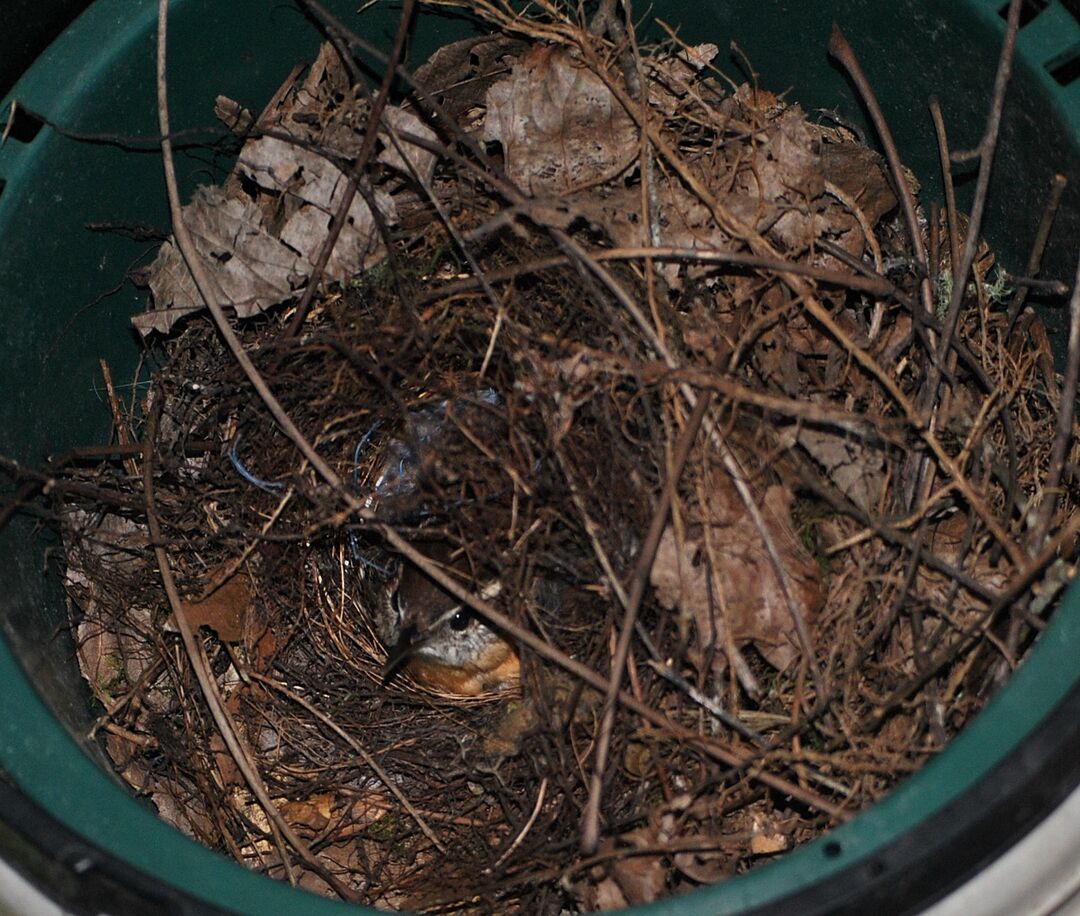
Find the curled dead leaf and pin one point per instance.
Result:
(741, 594)
(227, 609)
(559, 125)
(260, 238)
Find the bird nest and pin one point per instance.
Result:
(651, 371)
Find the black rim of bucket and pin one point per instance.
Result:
(1009, 769)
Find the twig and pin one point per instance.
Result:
(868, 283)
(951, 214)
(193, 646)
(119, 425)
(367, 146)
(1042, 236)
(590, 829)
(987, 148)
(388, 781)
(845, 55)
(524, 832)
(39, 480)
(1064, 435)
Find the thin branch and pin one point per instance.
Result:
(367, 146)
(193, 646)
(987, 148)
(840, 49)
(1042, 236)
(1063, 438)
(951, 213)
(590, 830)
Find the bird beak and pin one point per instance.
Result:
(403, 650)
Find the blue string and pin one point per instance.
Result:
(268, 485)
(355, 552)
(360, 446)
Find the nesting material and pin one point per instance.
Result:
(518, 322)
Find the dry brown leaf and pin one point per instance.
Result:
(672, 78)
(470, 66)
(260, 238)
(313, 813)
(313, 187)
(250, 268)
(768, 844)
(754, 607)
(559, 125)
(856, 468)
(640, 878)
(409, 157)
(860, 174)
(227, 610)
(605, 896)
(947, 541)
(787, 168)
(703, 867)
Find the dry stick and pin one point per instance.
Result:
(845, 56)
(1042, 236)
(841, 50)
(632, 65)
(367, 145)
(207, 288)
(868, 427)
(122, 432)
(387, 781)
(987, 148)
(732, 758)
(193, 646)
(1063, 438)
(49, 483)
(40, 480)
(524, 832)
(876, 285)
(1020, 583)
(590, 830)
(868, 283)
(24, 494)
(950, 190)
(926, 471)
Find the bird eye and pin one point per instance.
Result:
(459, 621)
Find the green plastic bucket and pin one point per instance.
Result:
(64, 306)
